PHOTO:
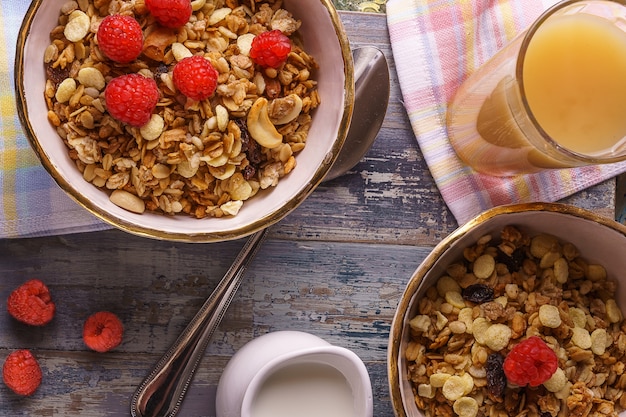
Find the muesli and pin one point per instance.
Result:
(522, 326)
(200, 157)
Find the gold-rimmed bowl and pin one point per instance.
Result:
(598, 239)
(324, 38)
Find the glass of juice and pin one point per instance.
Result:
(554, 97)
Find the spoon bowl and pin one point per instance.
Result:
(163, 390)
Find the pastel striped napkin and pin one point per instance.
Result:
(436, 44)
(31, 204)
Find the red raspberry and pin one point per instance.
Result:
(103, 331)
(21, 372)
(120, 38)
(170, 13)
(31, 303)
(195, 77)
(131, 98)
(530, 362)
(270, 49)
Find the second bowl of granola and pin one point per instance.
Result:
(518, 312)
(201, 169)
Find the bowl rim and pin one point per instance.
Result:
(232, 233)
(397, 325)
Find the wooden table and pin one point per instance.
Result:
(335, 267)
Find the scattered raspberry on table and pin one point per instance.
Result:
(21, 372)
(103, 331)
(170, 13)
(120, 38)
(31, 303)
(270, 49)
(530, 362)
(131, 98)
(195, 77)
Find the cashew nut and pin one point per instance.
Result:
(284, 110)
(261, 127)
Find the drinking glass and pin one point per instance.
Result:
(554, 97)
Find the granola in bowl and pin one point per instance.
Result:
(517, 314)
(322, 36)
(202, 157)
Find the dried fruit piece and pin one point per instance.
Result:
(120, 38)
(478, 293)
(270, 49)
(103, 331)
(31, 303)
(195, 77)
(496, 379)
(21, 372)
(531, 362)
(514, 261)
(131, 98)
(170, 13)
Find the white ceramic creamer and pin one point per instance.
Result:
(289, 373)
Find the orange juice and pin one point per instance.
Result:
(575, 82)
(553, 97)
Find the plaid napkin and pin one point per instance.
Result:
(436, 44)
(31, 204)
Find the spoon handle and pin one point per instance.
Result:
(162, 392)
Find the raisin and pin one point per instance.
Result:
(512, 262)
(478, 293)
(496, 379)
(248, 172)
(57, 74)
(160, 70)
(252, 150)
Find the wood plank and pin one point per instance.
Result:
(344, 293)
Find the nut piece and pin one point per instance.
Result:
(77, 26)
(66, 90)
(91, 77)
(557, 381)
(180, 51)
(284, 110)
(420, 323)
(426, 391)
(261, 127)
(127, 201)
(244, 43)
(455, 299)
(218, 15)
(153, 129)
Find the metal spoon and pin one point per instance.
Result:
(163, 390)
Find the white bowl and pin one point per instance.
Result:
(254, 364)
(598, 240)
(324, 38)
